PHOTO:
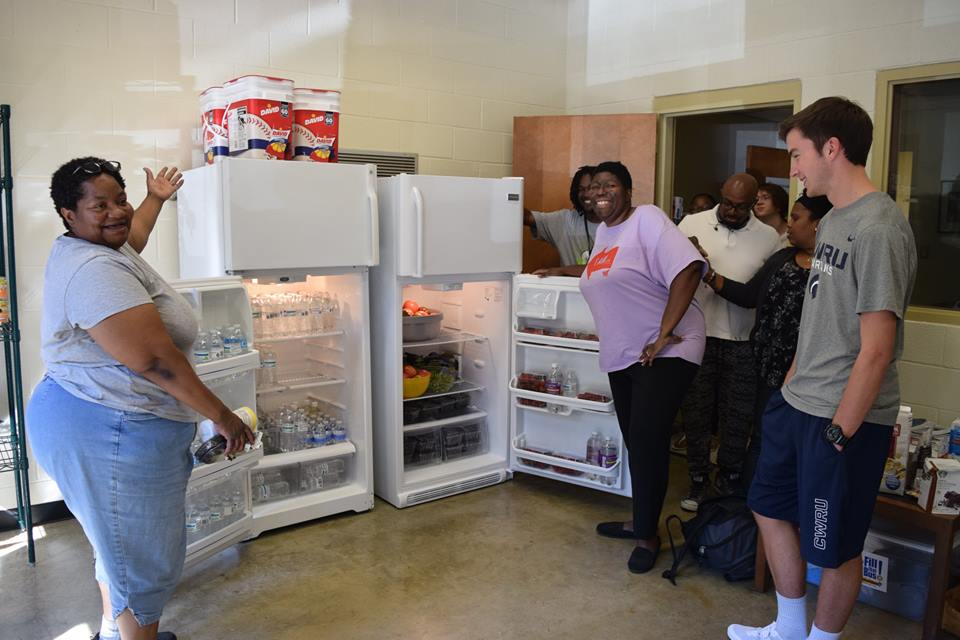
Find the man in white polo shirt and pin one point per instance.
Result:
(737, 244)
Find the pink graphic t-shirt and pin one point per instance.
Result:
(626, 284)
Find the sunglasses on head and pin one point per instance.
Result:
(98, 166)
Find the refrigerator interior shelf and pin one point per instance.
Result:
(308, 336)
(447, 337)
(338, 405)
(220, 364)
(460, 386)
(296, 385)
(554, 461)
(458, 467)
(575, 403)
(525, 339)
(308, 455)
(562, 410)
(474, 414)
(325, 362)
(203, 471)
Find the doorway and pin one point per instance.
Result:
(710, 147)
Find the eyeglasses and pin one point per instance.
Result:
(743, 207)
(94, 167)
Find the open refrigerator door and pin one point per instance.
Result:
(563, 424)
(219, 505)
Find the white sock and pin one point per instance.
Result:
(109, 629)
(820, 634)
(792, 617)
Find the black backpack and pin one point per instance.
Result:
(722, 536)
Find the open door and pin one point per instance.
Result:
(548, 150)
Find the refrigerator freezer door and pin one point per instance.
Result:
(264, 215)
(450, 225)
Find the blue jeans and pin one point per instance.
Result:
(124, 476)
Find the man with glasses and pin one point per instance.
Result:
(731, 236)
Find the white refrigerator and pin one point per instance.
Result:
(452, 245)
(303, 237)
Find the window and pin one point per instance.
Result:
(924, 178)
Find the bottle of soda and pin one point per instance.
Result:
(571, 386)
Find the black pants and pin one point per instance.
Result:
(764, 392)
(647, 400)
(726, 382)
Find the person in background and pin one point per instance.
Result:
(702, 202)
(571, 231)
(738, 244)
(772, 207)
(639, 285)
(776, 292)
(827, 432)
(113, 418)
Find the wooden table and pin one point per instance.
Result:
(904, 511)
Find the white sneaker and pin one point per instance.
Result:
(740, 632)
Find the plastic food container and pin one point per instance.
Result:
(417, 328)
(414, 387)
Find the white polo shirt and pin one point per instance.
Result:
(735, 254)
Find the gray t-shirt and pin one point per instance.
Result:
(865, 260)
(568, 232)
(85, 283)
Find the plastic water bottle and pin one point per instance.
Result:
(955, 438)
(555, 380)
(594, 442)
(303, 431)
(608, 458)
(237, 502)
(339, 432)
(216, 344)
(268, 368)
(201, 348)
(256, 308)
(571, 386)
(288, 432)
(192, 521)
(216, 511)
(335, 314)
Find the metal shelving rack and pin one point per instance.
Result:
(13, 445)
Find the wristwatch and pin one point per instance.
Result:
(833, 434)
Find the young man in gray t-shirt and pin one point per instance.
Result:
(825, 437)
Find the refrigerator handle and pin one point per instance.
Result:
(418, 209)
(374, 203)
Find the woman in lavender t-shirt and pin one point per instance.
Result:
(639, 283)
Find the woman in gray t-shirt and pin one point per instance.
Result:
(113, 419)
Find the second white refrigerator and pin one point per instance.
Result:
(451, 245)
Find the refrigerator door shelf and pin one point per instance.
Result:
(461, 386)
(307, 455)
(525, 339)
(536, 302)
(205, 472)
(547, 471)
(475, 414)
(574, 403)
(299, 386)
(248, 360)
(554, 461)
(447, 337)
(326, 334)
(560, 410)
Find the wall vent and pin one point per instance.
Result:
(388, 163)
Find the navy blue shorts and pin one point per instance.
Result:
(803, 479)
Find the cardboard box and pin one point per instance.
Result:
(894, 478)
(940, 486)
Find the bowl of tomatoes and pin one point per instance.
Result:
(420, 323)
(415, 382)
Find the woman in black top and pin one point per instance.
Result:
(776, 291)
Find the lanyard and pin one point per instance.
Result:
(586, 230)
